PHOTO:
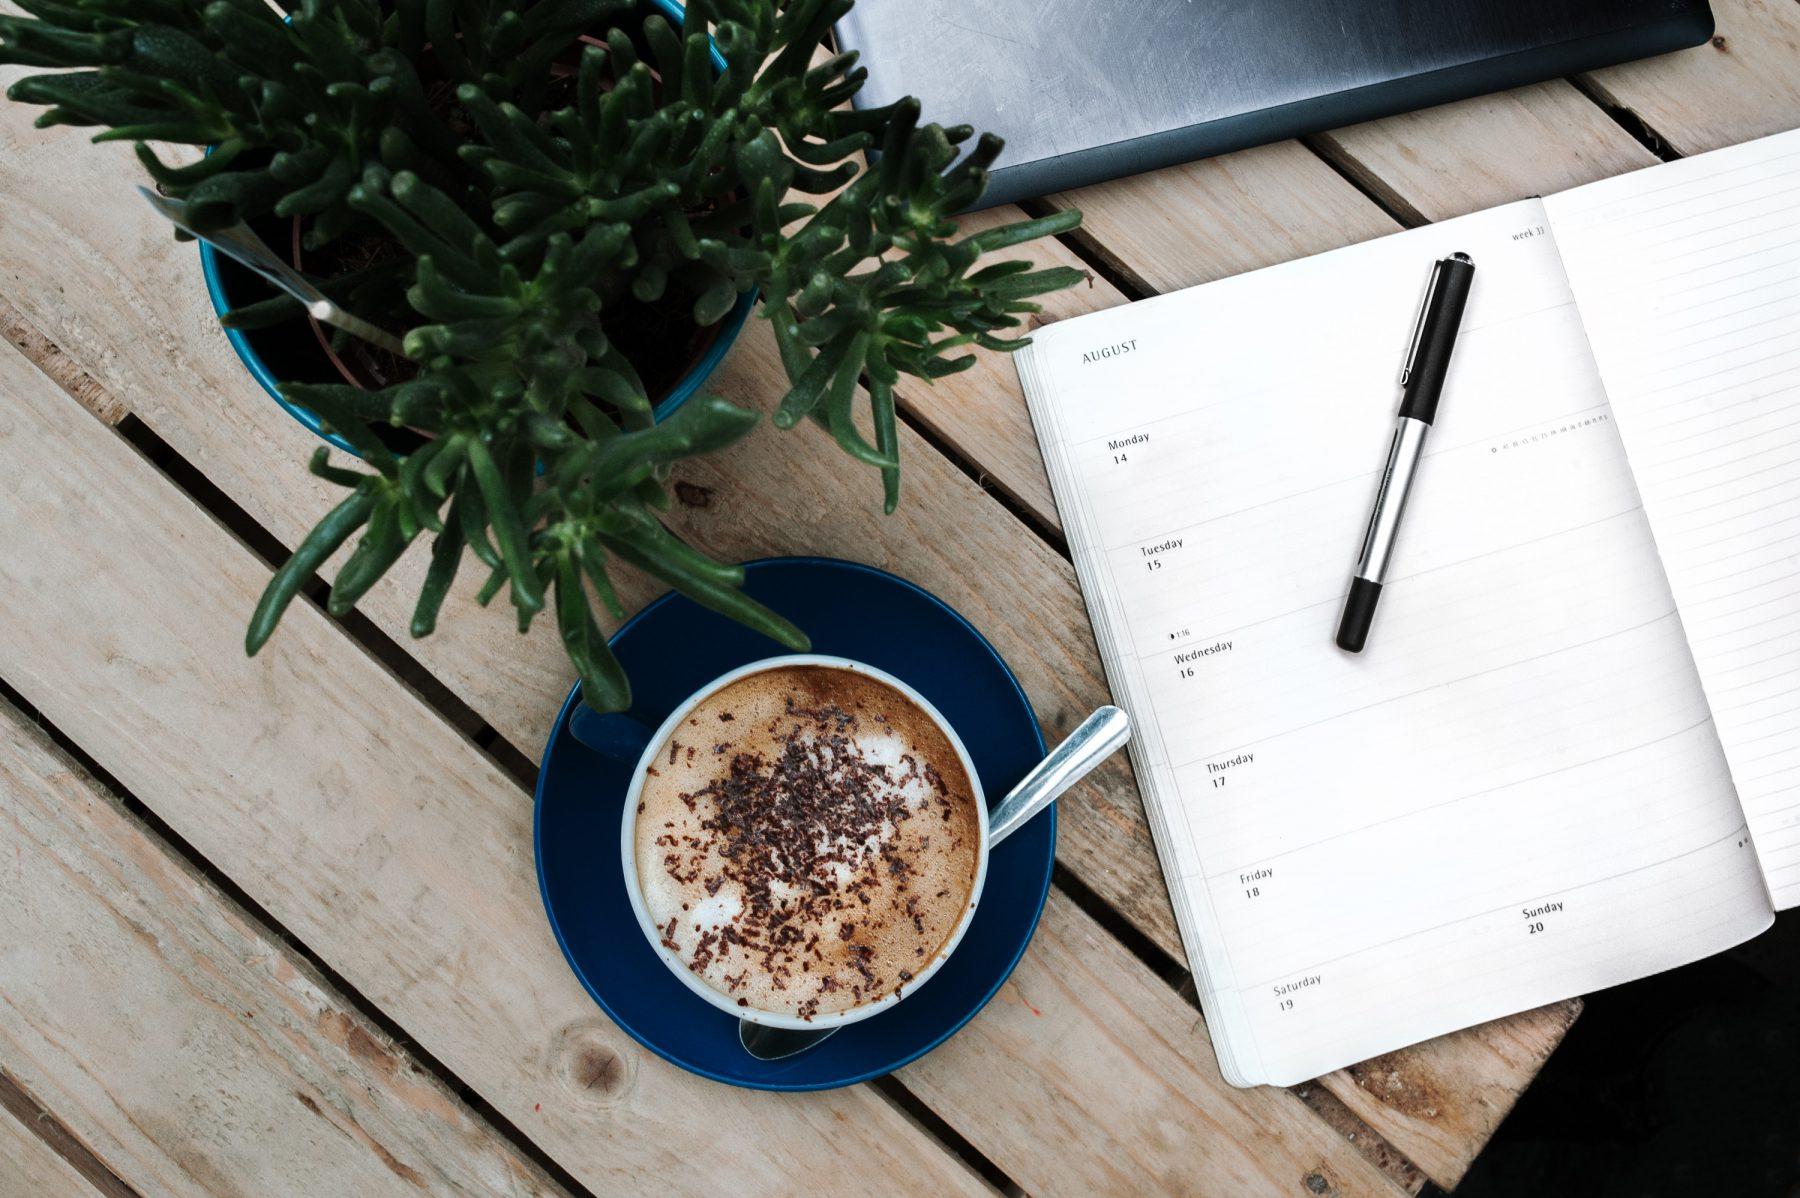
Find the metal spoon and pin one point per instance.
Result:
(1099, 737)
(240, 241)
(777, 1043)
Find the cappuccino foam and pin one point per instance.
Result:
(807, 840)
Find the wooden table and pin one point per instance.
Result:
(272, 926)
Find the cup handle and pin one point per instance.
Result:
(610, 734)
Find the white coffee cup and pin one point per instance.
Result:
(633, 886)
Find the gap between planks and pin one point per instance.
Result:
(1368, 183)
(63, 370)
(34, 1120)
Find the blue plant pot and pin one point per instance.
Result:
(245, 344)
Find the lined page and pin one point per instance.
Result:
(1688, 278)
(1515, 794)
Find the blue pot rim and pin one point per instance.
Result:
(1036, 901)
(683, 390)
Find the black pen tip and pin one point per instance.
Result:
(1359, 613)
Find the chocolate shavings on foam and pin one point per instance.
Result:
(817, 822)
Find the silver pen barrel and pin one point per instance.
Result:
(1407, 448)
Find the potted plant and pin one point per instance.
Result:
(514, 186)
(277, 348)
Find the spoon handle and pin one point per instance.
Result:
(1098, 737)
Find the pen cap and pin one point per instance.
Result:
(1438, 325)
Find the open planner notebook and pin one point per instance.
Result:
(1570, 756)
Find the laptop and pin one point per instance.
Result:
(1085, 90)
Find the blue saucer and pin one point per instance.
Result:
(672, 648)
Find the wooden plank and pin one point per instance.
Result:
(774, 493)
(1126, 1098)
(1743, 85)
(360, 820)
(1402, 1094)
(100, 276)
(208, 1059)
(400, 855)
(30, 1166)
(1477, 153)
(1207, 220)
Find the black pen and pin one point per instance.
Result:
(1421, 384)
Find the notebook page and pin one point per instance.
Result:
(1515, 794)
(1688, 276)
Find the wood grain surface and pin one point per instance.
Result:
(182, 1043)
(30, 1167)
(376, 832)
(1128, 1097)
(1489, 150)
(1744, 84)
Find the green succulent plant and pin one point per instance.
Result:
(538, 167)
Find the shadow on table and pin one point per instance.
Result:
(1682, 1084)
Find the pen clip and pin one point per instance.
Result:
(1412, 351)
